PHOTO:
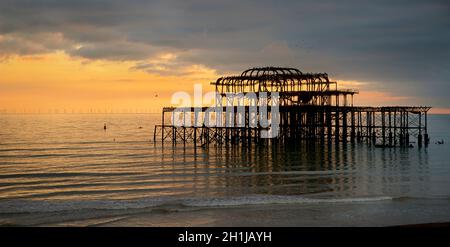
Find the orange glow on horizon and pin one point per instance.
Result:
(57, 82)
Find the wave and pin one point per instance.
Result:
(274, 199)
(66, 174)
(164, 203)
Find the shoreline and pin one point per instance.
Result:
(430, 225)
(396, 213)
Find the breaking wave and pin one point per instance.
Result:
(36, 206)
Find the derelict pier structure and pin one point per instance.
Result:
(310, 107)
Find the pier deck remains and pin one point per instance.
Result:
(310, 108)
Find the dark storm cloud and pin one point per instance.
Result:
(402, 46)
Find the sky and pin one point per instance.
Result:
(130, 56)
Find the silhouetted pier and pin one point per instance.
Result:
(309, 107)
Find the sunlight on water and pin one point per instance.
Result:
(70, 158)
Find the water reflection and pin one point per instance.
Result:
(73, 158)
(320, 170)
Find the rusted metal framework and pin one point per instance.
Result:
(311, 107)
(293, 86)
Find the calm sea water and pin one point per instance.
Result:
(64, 169)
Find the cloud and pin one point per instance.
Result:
(403, 47)
(164, 64)
(168, 64)
(26, 44)
(121, 50)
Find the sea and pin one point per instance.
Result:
(66, 170)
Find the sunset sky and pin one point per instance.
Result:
(130, 56)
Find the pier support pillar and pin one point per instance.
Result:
(407, 139)
(419, 140)
(344, 126)
(336, 127)
(402, 142)
(374, 137)
(390, 139)
(352, 131)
